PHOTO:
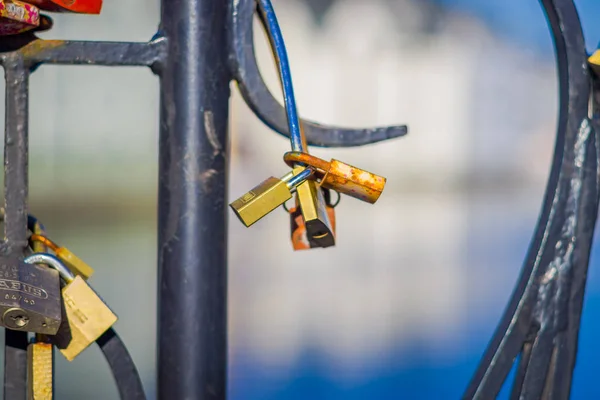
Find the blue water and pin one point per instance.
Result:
(413, 370)
(522, 21)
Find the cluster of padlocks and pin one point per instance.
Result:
(22, 16)
(312, 179)
(47, 294)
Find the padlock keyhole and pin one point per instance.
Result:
(20, 320)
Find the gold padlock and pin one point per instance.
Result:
(299, 234)
(341, 177)
(267, 196)
(310, 200)
(74, 263)
(40, 363)
(86, 315)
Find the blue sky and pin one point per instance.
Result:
(523, 21)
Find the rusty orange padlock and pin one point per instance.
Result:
(75, 6)
(17, 17)
(300, 239)
(341, 177)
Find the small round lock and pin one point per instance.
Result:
(341, 177)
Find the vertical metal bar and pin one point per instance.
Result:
(16, 156)
(15, 202)
(192, 218)
(15, 365)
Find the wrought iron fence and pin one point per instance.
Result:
(202, 46)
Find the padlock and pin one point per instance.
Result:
(17, 17)
(74, 263)
(310, 200)
(74, 6)
(29, 297)
(267, 196)
(46, 23)
(341, 177)
(86, 316)
(300, 239)
(40, 365)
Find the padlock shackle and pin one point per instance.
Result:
(53, 262)
(45, 241)
(295, 180)
(271, 26)
(292, 158)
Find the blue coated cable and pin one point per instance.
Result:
(278, 46)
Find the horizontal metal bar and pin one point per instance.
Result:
(41, 51)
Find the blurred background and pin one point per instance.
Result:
(406, 302)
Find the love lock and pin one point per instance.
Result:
(75, 6)
(17, 17)
(30, 298)
(341, 177)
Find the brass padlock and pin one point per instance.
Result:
(40, 365)
(86, 317)
(341, 177)
(310, 200)
(74, 263)
(17, 17)
(267, 196)
(29, 297)
(75, 6)
(300, 237)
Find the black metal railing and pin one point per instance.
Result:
(200, 47)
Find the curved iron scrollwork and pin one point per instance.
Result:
(541, 322)
(267, 108)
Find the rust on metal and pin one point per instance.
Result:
(38, 47)
(40, 370)
(341, 177)
(44, 241)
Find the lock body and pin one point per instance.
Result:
(311, 202)
(267, 196)
(29, 297)
(39, 371)
(341, 177)
(261, 200)
(17, 17)
(352, 181)
(86, 318)
(75, 6)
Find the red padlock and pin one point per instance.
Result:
(75, 6)
(17, 17)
